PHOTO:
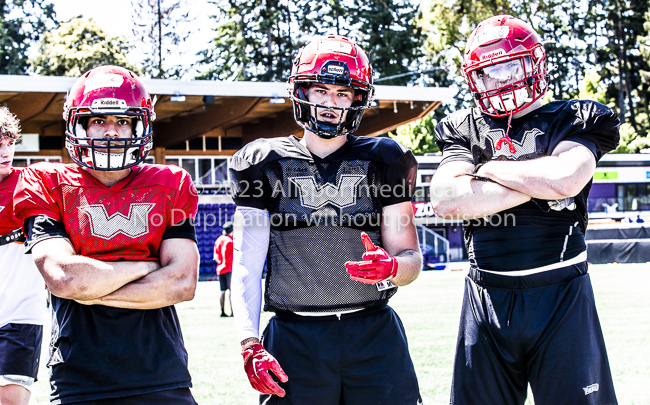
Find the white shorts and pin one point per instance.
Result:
(21, 380)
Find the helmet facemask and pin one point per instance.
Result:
(306, 113)
(503, 87)
(108, 154)
(505, 66)
(108, 91)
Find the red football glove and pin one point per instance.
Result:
(377, 264)
(257, 363)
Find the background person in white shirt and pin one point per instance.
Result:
(22, 301)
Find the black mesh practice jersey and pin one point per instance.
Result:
(527, 236)
(318, 208)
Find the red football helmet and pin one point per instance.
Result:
(335, 60)
(505, 65)
(108, 90)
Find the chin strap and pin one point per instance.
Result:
(506, 138)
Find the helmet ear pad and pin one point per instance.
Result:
(353, 118)
(302, 110)
(302, 95)
(358, 99)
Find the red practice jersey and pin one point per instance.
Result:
(223, 254)
(8, 222)
(123, 222)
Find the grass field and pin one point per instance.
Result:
(430, 310)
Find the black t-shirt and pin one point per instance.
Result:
(527, 236)
(318, 207)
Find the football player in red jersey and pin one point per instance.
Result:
(114, 240)
(22, 299)
(223, 257)
(518, 171)
(332, 213)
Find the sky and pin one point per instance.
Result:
(116, 19)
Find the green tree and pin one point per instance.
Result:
(591, 88)
(631, 140)
(258, 39)
(254, 40)
(621, 61)
(419, 136)
(77, 46)
(390, 33)
(161, 28)
(572, 32)
(644, 49)
(644, 73)
(563, 25)
(227, 59)
(22, 24)
(447, 26)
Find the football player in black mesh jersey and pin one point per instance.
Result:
(518, 172)
(331, 214)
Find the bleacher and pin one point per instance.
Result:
(209, 221)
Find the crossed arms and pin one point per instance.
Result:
(125, 284)
(565, 173)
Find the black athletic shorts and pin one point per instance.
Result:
(362, 358)
(224, 280)
(20, 349)
(541, 329)
(178, 396)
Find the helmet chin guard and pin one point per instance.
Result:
(505, 66)
(331, 60)
(104, 91)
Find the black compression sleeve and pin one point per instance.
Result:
(182, 230)
(40, 228)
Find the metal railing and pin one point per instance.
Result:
(435, 248)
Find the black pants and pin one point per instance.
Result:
(541, 329)
(360, 359)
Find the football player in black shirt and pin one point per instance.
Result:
(518, 173)
(331, 214)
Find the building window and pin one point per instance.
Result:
(633, 196)
(421, 194)
(24, 161)
(205, 171)
(190, 166)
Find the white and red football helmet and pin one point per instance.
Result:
(505, 65)
(335, 60)
(108, 90)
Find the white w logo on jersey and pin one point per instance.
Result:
(314, 196)
(1, 208)
(525, 147)
(135, 224)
